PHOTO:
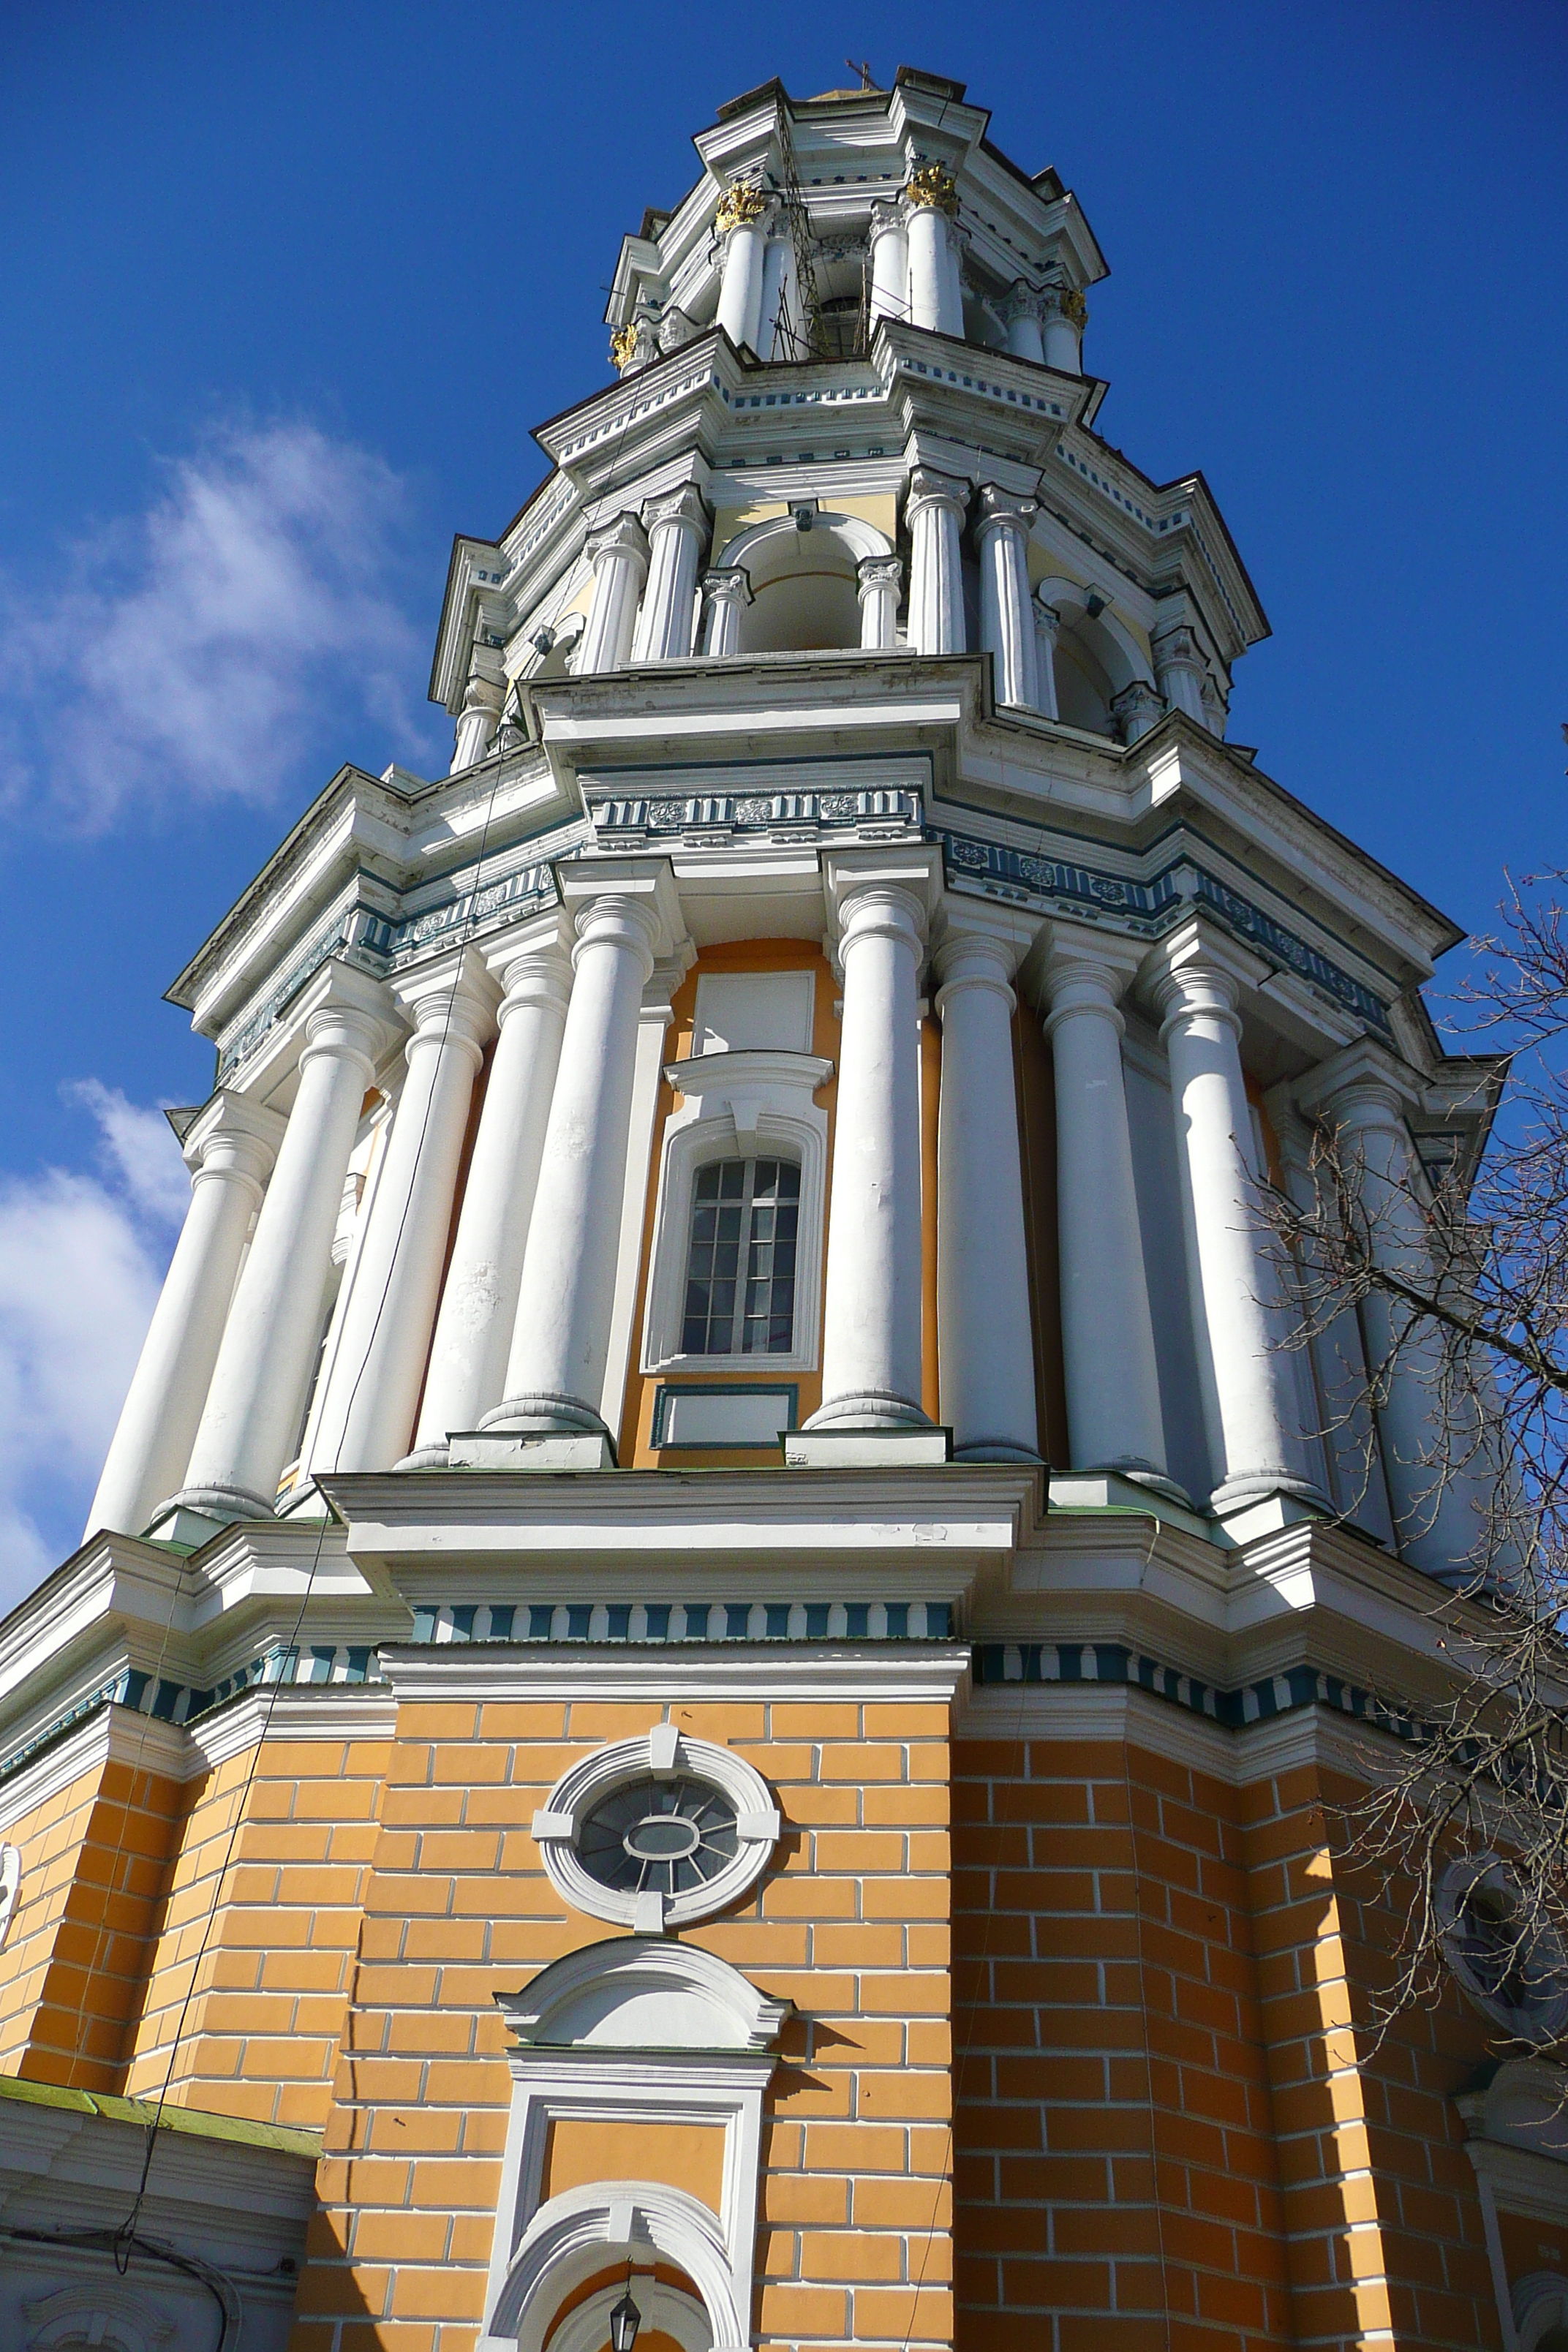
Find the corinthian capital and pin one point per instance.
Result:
(1003, 509)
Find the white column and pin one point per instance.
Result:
(619, 557)
(1066, 314)
(741, 221)
(1180, 672)
(480, 714)
(1439, 1526)
(379, 1362)
(1114, 1417)
(936, 296)
(986, 1347)
(1230, 1282)
(1023, 312)
(676, 526)
(1047, 626)
(1135, 710)
(230, 1148)
(889, 248)
(872, 1326)
(726, 592)
(877, 580)
(269, 1350)
(648, 1077)
(1007, 614)
(478, 1304)
(555, 1372)
(934, 511)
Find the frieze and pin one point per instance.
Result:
(1148, 908)
(1012, 1662)
(755, 811)
(690, 1621)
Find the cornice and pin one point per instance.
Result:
(914, 1673)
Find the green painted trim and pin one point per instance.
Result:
(287, 2139)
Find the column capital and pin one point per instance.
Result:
(622, 534)
(1003, 509)
(726, 583)
(1361, 1087)
(346, 1012)
(885, 218)
(232, 1133)
(632, 346)
(904, 883)
(946, 492)
(1048, 619)
(742, 205)
(1136, 710)
(531, 961)
(1064, 302)
(1197, 973)
(451, 1000)
(1087, 971)
(931, 187)
(602, 894)
(875, 571)
(981, 933)
(685, 507)
(1023, 300)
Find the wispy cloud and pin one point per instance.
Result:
(82, 1258)
(198, 651)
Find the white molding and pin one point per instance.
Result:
(737, 1104)
(661, 1753)
(114, 1733)
(653, 1022)
(292, 1711)
(899, 1672)
(1254, 1751)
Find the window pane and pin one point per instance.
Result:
(741, 1252)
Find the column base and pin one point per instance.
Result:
(1263, 1510)
(221, 1504)
(544, 1415)
(870, 1409)
(426, 1457)
(994, 1449)
(523, 1449)
(1254, 1486)
(812, 1448)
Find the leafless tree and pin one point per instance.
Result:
(1456, 1275)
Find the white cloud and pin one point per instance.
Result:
(201, 649)
(82, 1259)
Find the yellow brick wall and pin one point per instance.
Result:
(851, 1923)
(93, 1861)
(269, 1977)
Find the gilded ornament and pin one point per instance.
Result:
(932, 184)
(1075, 310)
(740, 204)
(624, 347)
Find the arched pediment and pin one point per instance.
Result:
(1110, 640)
(641, 1992)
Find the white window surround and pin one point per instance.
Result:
(630, 2032)
(1545, 2016)
(10, 1887)
(757, 1102)
(101, 2313)
(664, 1754)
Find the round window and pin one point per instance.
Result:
(657, 1831)
(670, 1835)
(1505, 1952)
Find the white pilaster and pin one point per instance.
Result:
(889, 248)
(1007, 614)
(741, 221)
(876, 582)
(652, 1026)
(931, 208)
(230, 1150)
(1047, 627)
(1181, 673)
(624, 917)
(726, 592)
(872, 1327)
(619, 557)
(1432, 1468)
(1064, 313)
(379, 1364)
(1114, 1417)
(1230, 1281)
(478, 1304)
(984, 1344)
(257, 1389)
(934, 511)
(676, 526)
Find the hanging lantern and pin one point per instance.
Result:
(624, 2321)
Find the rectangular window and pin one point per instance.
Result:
(739, 1270)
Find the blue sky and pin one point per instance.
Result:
(284, 289)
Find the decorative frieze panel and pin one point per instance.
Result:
(691, 1621)
(619, 822)
(995, 870)
(1108, 1662)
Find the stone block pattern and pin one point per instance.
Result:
(851, 1923)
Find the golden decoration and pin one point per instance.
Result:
(932, 184)
(624, 346)
(740, 204)
(1075, 310)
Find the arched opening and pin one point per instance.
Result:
(1083, 683)
(802, 570)
(1097, 656)
(670, 2314)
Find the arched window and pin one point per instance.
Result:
(741, 1261)
(802, 570)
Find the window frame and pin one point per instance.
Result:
(748, 1239)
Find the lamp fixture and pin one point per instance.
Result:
(624, 2321)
